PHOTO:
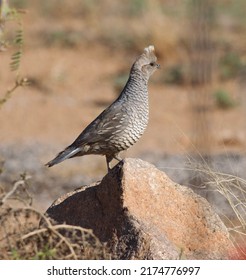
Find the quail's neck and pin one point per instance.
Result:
(138, 76)
(137, 84)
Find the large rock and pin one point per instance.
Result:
(140, 213)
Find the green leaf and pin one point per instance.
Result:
(16, 55)
(4, 9)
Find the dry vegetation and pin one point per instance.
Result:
(233, 190)
(208, 61)
(26, 233)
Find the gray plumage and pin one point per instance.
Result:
(120, 125)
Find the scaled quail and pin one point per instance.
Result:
(120, 125)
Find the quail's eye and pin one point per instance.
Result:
(152, 64)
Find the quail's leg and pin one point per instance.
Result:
(117, 157)
(108, 160)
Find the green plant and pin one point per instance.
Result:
(8, 14)
(174, 75)
(230, 65)
(135, 7)
(14, 254)
(46, 253)
(62, 38)
(18, 43)
(223, 99)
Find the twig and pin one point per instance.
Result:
(19, 183)
(18, 83)
(54, 229)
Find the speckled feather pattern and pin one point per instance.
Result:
(120, 125)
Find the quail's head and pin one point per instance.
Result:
(146, 63)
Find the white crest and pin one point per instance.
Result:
(149, 49)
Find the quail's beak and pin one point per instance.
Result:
(158, 66)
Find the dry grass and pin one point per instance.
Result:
(28, 234)
(233, 189)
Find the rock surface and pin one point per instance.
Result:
(141, 214)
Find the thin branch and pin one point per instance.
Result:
(18, 83)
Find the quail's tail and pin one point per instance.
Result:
(67, 153)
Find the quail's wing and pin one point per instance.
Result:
(106, 124)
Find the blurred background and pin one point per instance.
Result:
(77, 55)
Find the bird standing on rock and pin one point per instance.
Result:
(120, 125)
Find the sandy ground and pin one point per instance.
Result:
(70, 87)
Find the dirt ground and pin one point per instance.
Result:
(70, 86)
